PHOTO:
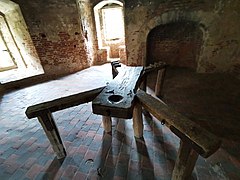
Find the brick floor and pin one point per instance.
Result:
(213, 101)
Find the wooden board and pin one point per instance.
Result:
(201, 140)
(117, 98)
(62, 103)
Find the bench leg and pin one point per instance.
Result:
(143, 86)
(107, 123)
(159, 82)
(52, 133)
(137, 121)
(185, 162)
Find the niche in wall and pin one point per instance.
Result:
(177, 43)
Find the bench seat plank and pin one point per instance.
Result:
(201, 140)
(62, 103)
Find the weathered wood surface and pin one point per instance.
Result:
(159, 82)
(154, 67)
(160, 67)
(117, 98)
(107, 123)
(185, 162)
(62, 103)
(51, 130)
(114, 65)
(137, 120)
(201, 140)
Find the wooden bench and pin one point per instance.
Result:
(122, 98)
(43, 112)
(194, 139)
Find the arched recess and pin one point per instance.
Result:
(17, 44)
(139, 50)
(177, 44)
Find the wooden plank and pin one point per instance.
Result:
(154, 67)
(201, 140)
(137, 121)
(117, 98)
(185, 162)
(107, 123)
(160, 67)
(62, 103)
(159, 82)
(51, 130)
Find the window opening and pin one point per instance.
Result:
(6, 60)
(18, 56)
(109, 20)
(113, 23)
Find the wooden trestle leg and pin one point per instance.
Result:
(185, 162)
(159, 82)
(137, 120)
(52, 133)
(107, 123)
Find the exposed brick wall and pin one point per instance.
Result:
(55, 30)
(67, 53)
(168, 5)
(102, 56)
(218, 20)
(176, 43)
(122, 54)
(114, 49)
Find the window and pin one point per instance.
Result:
(113, 23)
(18, 57)
(6, 61)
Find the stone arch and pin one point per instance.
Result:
(176, 43)
(88, 26)
(166, 18)
(96, 9)
(103, 3)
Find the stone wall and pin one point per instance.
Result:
(56, 33)
(217, 19)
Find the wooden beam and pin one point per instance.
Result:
(159, 82)
(117, 98)
(201, 140)
(137, 121)
(107, 123)
(114, 65)
(185, 162)
(62, 103)
(154, 67)
(51, 130)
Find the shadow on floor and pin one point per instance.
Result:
(211, 100)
